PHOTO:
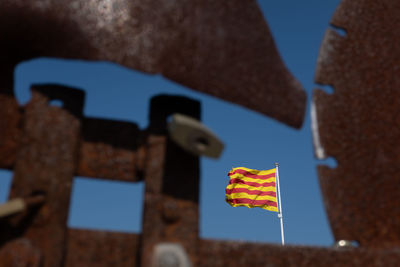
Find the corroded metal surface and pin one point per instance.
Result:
(45, 165)
(111, 149)
(176, 39)
(10, 119)
(358, 123)
(100, 248)
(237, 254)
(171, 203)
(20, 253)
(108, 149)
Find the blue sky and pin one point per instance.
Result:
(116, 92)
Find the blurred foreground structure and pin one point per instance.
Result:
(46, 146)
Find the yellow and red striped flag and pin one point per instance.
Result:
(252, 188)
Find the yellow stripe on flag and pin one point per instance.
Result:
(261, 188)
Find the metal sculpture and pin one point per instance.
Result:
(356, 124)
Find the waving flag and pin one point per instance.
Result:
(252, 188)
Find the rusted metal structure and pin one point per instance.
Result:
(46, 162)
(363, 69)
(357, 122)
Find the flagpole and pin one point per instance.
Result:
(280, 216)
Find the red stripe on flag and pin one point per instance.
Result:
(250, 192)
(238, 181)
(252, 175)
(252, 202)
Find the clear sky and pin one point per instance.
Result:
(252, 140)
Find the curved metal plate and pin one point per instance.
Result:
(358, 123)
(222, 48)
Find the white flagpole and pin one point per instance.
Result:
(280, 216)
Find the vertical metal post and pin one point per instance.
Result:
(280, 215)
(172, 177)
(45, 167)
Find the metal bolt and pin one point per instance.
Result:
(345, 244)
(170, 212)
(170, 255)
(18, 205)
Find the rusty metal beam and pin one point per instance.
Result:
(176, 39)
(91, 248)
(109, 149)
(357, 123)
(227, 253)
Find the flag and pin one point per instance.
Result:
(252, 188)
